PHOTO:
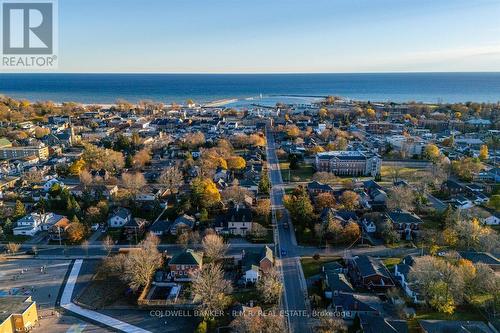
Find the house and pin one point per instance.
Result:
(314, 188)
(492, 219)
(17, 314)
(461, 202)
(350, 305)
(119, 217)
(334, 281)
(58, 231)
(237, 221)
(51, 182)
(160, 227)
(481, 257)
(182, 222)
(455, 326)
(184, 263)
(32, 223)
(134, 228)
(405, 223)
(371, 323)
(254, 264)
(368, 226)
(370, 273)
(452, 187)
(401, 272)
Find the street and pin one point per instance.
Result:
(295, 300)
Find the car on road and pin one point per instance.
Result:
(283, 252)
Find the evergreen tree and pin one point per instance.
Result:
(264, 184)
(19, 210)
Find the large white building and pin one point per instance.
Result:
(349, 163)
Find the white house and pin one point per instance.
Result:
(49, 183)
(493, 219)
(369, 226)
(32, 223)
(119, 217)
(401, 272)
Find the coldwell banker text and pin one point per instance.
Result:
(29, 34)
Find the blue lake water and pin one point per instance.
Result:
(107, 88)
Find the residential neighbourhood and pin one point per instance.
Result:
(382, 216)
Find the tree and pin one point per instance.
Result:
(214, 247)
(19, 210)
(350, 200)
(236, 194)
(75, 232)
(250, 322)
(85, 246)
(325, 177)
(142, 263)
(13, 247)
(351, 232)
(211, 289)
(258, 231)
(300, 207)
(483, 153)
(401, 197)
(141, 158)
(134, 182)
(292, 131)
(264, 183)
(494, 202)
(108, 244)
(439, 282)
(263, 209)
(193, 140)
(236, 163)
(76, 167)
(172, 179)
(204, 192)
(325, 200)
(432, 152)
(86, 178)
(270, 286)
(466, 168)
(330, 325)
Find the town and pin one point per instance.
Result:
(330, 216)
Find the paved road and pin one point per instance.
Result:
(295, 301)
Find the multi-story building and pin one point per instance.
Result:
(349, 163)
(42, 152)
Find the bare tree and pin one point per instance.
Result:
(172, 179)
(401, 197)
(140, 264)
(331, 325)
(108, 244)
(134, 182)
(85, 246)
(86, 178)
(210, 287)
(236, 194)
(13, 247)
(270, 286)
(214, 246)
(258, 323)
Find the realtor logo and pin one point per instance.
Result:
(29, 34)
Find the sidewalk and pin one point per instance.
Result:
(92, 315)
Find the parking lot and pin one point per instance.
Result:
(42, 279)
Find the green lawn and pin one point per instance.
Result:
(391, 262)
(244, 296)
(461, 313)
(312, 267)
(303, 174)
(8, 238)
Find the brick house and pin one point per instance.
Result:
(370, 273)
(184, 263)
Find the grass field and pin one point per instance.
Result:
(312, 267)
(387, 173)
(303, 174)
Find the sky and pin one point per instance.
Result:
(278, 36)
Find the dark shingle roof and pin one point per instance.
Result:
(188, 257)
